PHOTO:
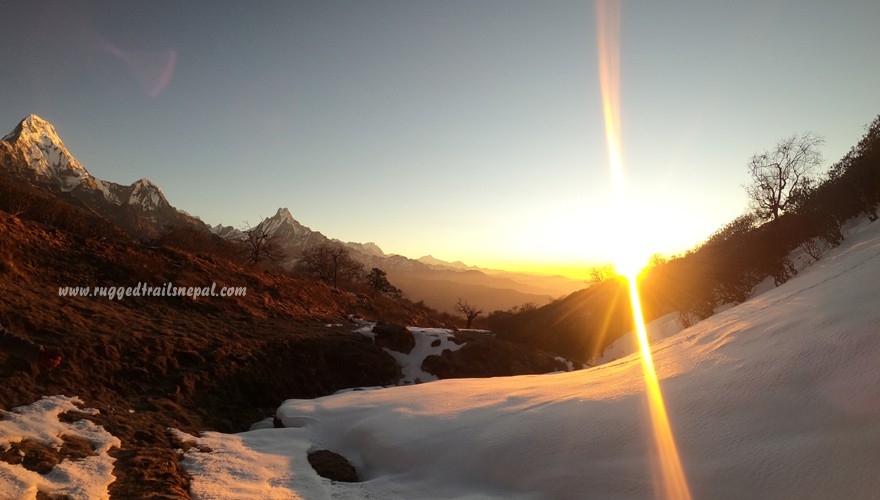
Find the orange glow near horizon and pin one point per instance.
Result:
(669, 480)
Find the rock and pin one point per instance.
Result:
(394, 337)
(486, 356)
(333, 466)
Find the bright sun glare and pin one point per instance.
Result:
(669, 480)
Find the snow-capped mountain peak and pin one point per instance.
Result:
(46, 154)
(34, 126)
(283, 221)
(283, 216)
(147, 195)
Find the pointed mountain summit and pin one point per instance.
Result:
(147, 196)
(47, 157)
(290, 235)
(294, 238)
(283, 222)
(286, 232)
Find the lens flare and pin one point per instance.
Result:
(674, 484)
(669, 480)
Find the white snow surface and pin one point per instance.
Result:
(659, 329)
(776, 398)
(86, 478)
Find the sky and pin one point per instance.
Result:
(470, 130)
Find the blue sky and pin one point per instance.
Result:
(470, 130)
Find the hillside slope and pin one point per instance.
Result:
(174, 361)
(148, 363)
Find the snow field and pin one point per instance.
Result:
(778, 397)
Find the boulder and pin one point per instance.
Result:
(394, 337)
(485, 355)
(333, 466)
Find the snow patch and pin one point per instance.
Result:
(569, 365)
(229, 466)
(367, 330)
(411, 364)
(84, 478)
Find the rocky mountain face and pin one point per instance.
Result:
(34, 151)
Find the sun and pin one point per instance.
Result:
(631, 252)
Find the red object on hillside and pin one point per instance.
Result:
(25, 349)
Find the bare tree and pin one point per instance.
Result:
(598, 274)
(258, 244)
(814, 247)
(330, 263)
(524, 308)
(467, 310)
(779, 176)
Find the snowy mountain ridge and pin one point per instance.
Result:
(430, 260)
(47, 161)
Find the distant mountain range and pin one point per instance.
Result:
(439, 283)
(34, 152)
